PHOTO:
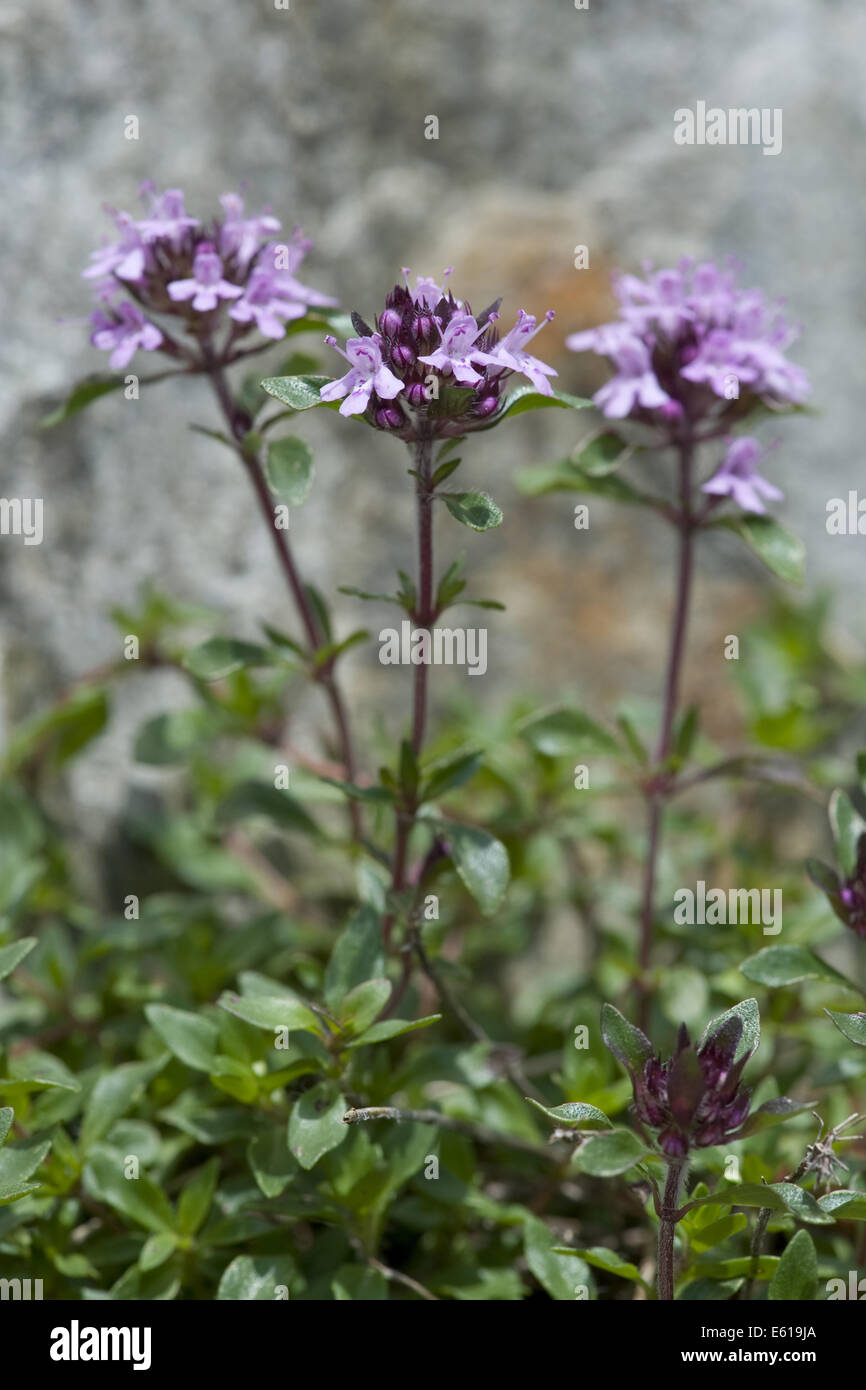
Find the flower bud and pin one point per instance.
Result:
(416, 393)
(389, 417)
(402, 356)
(390, 322)
(486, 405)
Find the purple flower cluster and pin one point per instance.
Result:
(688, 338)
(429, 365)
(170, 264)
(695, 1098)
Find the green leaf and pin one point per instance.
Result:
(256, 1278)
(823, 877)
(363, 1005)
(219, 657)
(393, 1028)
(444, 471)
(481, 861)
(290, 470)
(156, 1250)
(195, 1200)
(113, 1095)
(455, 772)
(82, 395)
(272, 1012)
(601, 455)
(567, 732)
(565, 477)
(38, 1071)
(12, 955)
(477, 510)
(357, 956)
(788, 965)
(272, 1165)
(783, 553)
(606, 1155)
(7, 1115)
(555, 1272)
(844, 1204)
(316, 1123)
(528, 398)
(601, 1258)
(773, 1112)
(749, 1015)
(139, 1199)
(852, 1025)
(169, 738)
(796, 1275)
(629, 1044)
(262, 799)
(18, 1161)
(191, 1038)
(299, 392)
(574, 1113)
(848, 827)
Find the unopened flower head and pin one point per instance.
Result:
(694, 1100)
(429, 366)
(691, 344)
(219, 281)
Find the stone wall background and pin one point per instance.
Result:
(555, 129)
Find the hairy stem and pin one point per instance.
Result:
(658, 791)
(424, 615)
(238, 424)
(667, 1226)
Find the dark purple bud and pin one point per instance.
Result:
(390, 322)
(402, 356)
(388, 417)
(416, 394)
(670, 410)
(486, 405)
(423, 327)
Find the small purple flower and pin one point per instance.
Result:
(264, 304)
(241, 237)
(457, 349)
(124, 258)
(367, 373)
(206, 286)
(426, 291)
(737, 476)
(635, 386)
(168, 220)
(122, 331)
(511, 352)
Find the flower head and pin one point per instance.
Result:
(228, 273)
(690, 335)
(737, 476)
(694, 1099)
(449, 365)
